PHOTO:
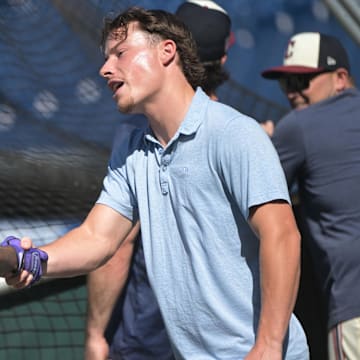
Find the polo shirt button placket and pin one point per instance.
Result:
(163, 181)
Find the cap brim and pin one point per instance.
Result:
(279, 71)
(231, 40)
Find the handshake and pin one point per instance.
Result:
(30, 260)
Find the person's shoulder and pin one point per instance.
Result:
(236, 130)
(229, 115)
(130, 122)
(291, 123)
(295, 114)
(295, 117)
(349, 95)
(222, 118)
(351, 92)
(129, 136)
(338, 100)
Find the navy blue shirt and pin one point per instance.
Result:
(320, 147)
(136, 330)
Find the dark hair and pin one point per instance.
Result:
(160, 24)
(215, 75)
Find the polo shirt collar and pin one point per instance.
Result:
(196, 113)
(193, 118)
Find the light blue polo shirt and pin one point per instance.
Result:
(193, 199)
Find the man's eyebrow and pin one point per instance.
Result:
(112, 50)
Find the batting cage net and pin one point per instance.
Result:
(57, 123)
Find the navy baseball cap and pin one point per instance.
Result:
(210, 26)
(310, 53)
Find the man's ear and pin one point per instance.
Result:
(342, 80)
(223, 59)
(167, 51)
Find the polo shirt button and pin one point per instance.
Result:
(164, 188)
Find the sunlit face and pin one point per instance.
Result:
(133, 69)
(307, 89)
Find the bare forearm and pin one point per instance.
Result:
(280, 272)
(102, 296)
(89, 246)
(104, 288)
(80, 251)
(279, 259)
(8, 260)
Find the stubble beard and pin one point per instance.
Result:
(128, 107)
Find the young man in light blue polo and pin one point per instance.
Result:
(221, 245)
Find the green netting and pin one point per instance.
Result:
(45, 322)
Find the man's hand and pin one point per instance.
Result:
(96, 347)
(264, 353)
(30, 262)
(268, 127)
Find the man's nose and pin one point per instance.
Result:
(105, 71)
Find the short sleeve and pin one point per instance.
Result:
(250, 165)
(118, 189)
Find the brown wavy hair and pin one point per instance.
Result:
(160, 25)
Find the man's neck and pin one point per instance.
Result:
(166, 116)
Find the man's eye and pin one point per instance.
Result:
(119, 53)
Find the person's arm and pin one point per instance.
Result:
(8, 260)
(268, 127)
(104, 287)
(279, 237)
(83, 249)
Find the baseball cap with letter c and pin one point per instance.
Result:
(310, 53)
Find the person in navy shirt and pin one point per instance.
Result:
(319, 148)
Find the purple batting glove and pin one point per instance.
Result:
(30, 260)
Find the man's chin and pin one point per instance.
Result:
(299, 106)
(126, 109)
